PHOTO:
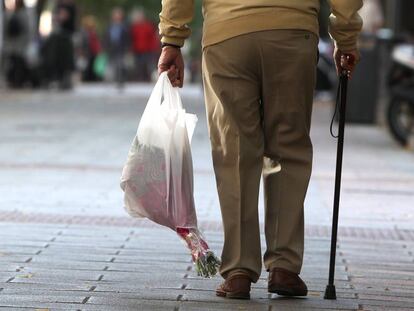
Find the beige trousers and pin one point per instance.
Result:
(258, 92)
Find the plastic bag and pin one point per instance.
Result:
(158, 176)
(100, 65)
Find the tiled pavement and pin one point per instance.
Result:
(66, 243)
(73, 267)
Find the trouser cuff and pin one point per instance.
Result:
(284, 265)
(254, 277)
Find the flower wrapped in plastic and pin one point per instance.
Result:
(157, 178)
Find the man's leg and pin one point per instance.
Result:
(232, 93)
(288, 69)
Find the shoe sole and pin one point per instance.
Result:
(287, 292)
(244, 296)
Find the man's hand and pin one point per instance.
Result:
(172, 61)
(345, 61)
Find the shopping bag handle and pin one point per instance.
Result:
(163, 89)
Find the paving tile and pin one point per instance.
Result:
(315, 302)
(367, 307)
(87, 249)
(145, 266)
(13, 258)
(40, 306)
(4, 276)
(55, 281)
(149, 277)
(132, 287)
(387, 303)
(83, 258)
(15, 287)
(46, 263)
(132, 301)
(391, 298)
(28, 300)
(214, 306)
(14, 309)
(19, 250)
(132, 305)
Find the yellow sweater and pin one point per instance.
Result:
(224, 19)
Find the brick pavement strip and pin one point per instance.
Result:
(394, 234)
(76, 267)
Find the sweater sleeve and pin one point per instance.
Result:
(174, 18)
(345, 23)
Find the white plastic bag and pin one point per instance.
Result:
(158, 176)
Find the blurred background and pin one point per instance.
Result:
(60, 44)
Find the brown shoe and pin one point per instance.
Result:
(235, 287)
(286, 283)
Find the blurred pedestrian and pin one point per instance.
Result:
(16, 44)
(90, 47)
(145, 44)
(116, 43)
(259, 68)
(69, 23)
(58, 51)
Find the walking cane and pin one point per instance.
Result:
(330, 291)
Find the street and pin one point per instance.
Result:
(66, 242)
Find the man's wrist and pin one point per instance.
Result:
(164, 44)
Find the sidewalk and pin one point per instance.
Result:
(67, 244)
(72, 267)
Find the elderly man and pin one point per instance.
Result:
(259, 63)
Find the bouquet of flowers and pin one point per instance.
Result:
(157, 178)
